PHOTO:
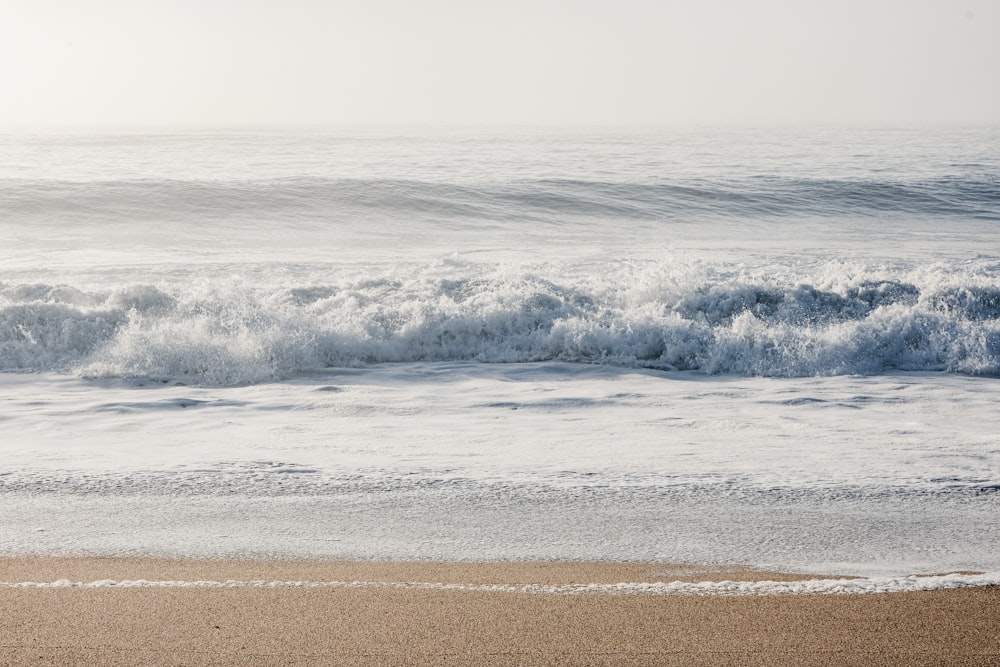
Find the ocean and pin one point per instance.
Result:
(761, 346)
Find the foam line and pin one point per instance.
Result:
(907, 584)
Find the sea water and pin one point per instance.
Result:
(773, 347)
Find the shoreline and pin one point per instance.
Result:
(471, 623)
(513, 572)
(555, 577)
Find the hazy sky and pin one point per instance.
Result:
(262, 62)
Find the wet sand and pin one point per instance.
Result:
(405, 626)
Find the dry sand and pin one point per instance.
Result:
(380, 626)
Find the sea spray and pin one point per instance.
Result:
(715, 318)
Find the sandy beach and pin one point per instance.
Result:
(377, 624)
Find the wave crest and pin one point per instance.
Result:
(661, 315)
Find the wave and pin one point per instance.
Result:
(660, 315)
(326, 200)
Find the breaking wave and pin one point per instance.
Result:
(663, 315)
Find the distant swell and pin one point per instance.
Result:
(329, 200)
(667, 316)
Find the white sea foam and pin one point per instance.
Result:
(877, 475)
(857, 586)
(718, 318)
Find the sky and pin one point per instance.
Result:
(571, 62)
